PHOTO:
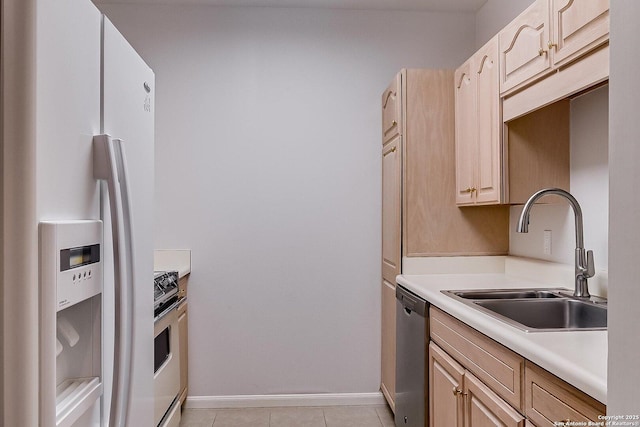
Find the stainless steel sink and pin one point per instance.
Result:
(563, 313)
(537, 310)
(509, 294)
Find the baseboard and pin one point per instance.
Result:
(276, 400)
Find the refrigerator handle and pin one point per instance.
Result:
(109, 163)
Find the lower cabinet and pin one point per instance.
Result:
(460, 399)
(388, 374)
(485, 408)
(477, 382)
(549, 400)
(183, 323)
(445, 389)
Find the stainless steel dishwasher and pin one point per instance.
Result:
(411, 351)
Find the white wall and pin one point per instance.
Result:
(624, 152)
(494, 15)
(589, 185)
(268, 168)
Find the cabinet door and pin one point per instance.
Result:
(183, 327)
(548, 399)
(446, 401)
(391, 109)
(579, 26)
(465, 132)
(484, 408)
(489, 124)
(524, 48)
(388, 356)
(391, 205)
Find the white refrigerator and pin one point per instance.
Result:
(67, 76)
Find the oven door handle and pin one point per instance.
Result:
(168, 310)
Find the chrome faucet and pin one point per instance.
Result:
(584, 267)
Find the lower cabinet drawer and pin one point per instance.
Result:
(549, 400)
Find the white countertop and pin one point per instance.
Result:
(578, 357)
(172, 260)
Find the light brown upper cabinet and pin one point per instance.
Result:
(547, 36)
(579, 26)
(511, 100)
(523, 47)
(477, 129)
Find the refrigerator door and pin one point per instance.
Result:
(127, 114)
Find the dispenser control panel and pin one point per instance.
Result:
(71, 259)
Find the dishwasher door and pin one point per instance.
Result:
(411, 359)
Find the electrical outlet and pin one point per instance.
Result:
(546, 249)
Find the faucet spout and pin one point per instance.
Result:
(584, 264)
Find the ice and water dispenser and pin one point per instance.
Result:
(71, 284)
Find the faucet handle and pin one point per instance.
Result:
(591, 268)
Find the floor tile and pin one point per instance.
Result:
(251, 417)
(297, 417)
(352, 416)
(385, 415)
(197, 417)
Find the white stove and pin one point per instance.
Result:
(165, 291)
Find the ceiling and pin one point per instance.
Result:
(422, 5)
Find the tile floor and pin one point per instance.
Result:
(326, 416)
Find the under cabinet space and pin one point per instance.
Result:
(538, 151)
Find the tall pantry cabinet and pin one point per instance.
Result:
(420, 217)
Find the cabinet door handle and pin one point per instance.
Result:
(551, 44)
(457, 391)
(542, 52)
(393, 150)
(393, 123)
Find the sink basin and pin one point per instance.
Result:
(562, 313)
(537, 310)
(509, 294)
